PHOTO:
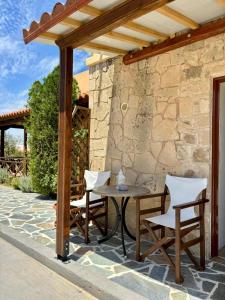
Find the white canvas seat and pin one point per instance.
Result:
(180, 220)
(182, 190)
(93, 180)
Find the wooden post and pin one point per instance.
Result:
(2, 150)
(25, 142)
(64, 153)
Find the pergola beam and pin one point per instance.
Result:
(94, 12)
(204, 32)
(109, 20)
(178, 17)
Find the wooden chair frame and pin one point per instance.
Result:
(175, 235)
(91, 214)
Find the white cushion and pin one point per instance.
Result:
(182, 190)
(93, 179)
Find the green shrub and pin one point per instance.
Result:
(42, 127)
(4, 176)
(25, 184)
(15, 183)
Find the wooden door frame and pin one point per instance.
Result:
(215, 165)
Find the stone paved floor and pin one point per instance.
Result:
(33, 216)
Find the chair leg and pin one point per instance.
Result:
(178, 258)
(179, 278)
(106, 217)
(138, 241)
(86, 237)
(202, 237)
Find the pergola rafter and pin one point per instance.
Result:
(110, 20)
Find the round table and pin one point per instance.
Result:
(113, 193)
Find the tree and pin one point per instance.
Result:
(11, 147)
(42, 127)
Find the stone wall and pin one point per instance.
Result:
(154, 117)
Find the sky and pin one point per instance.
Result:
(20, 64)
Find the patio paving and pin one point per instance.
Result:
(33, 216)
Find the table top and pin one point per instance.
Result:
(111, 191)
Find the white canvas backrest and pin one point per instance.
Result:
(184, 190)
(96, 179)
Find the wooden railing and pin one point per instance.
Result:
(16, 166)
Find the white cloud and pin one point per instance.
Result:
(12, 101)
(46, 65)
(14, 57)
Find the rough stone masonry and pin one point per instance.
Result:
(154, 117)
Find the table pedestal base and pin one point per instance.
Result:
(120, 220)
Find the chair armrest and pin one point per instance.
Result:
(151, 196)
(190, 204)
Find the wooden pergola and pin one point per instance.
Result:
(14, 120)
(137, 30)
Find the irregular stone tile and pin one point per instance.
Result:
(77, 240)
(49, 233)
(158, 259)
(189, 280)
(5, 222)
(218, 267)
(17, 222)
(37, 220)
(207, 286)
(20, 209)
(105, 258)
(46, 225)
(29, 228)
(21, 217)
(115, 242)
(197, 294)
(132, 264)
(213, 277)
(41, 239)
(102, 271)
(158, 273)
(178, 296)
(140, 285)
(219, 293)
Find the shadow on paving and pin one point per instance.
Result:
(33, 216)
(152, 278)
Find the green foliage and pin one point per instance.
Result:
(43, 132)
(15, 183)
(11, 147)
(4, 176)
(25, 184)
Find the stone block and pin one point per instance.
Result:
(193, 72)
(168, 154)
(171, 111)
(185, 108)
(163, 62)
(201, 155)
(166, 130)
(171, 77)
(144, 163)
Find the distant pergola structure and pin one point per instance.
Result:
(16, 120)
(135, 29)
